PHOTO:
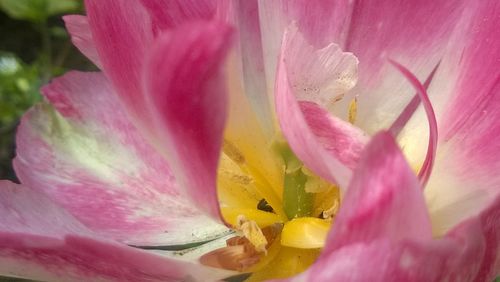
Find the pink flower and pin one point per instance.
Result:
(131, 157)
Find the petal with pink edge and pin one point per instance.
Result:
(382, 198)
(122, 40)
(168, 14)
(413, 33)
(326, 145)
(466, 179)
(41, 241)
(187, 94)
(470, 252)
(252, 73)
(88, 157)
(81, 36)
(276, 16)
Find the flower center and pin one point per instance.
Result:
(294, 216)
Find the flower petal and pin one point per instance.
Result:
(399, 250)
(41, 241)
(81, 36)
(383, 196)
(122, 40)
(326, 145)
(466, 176)
(318, 75)
(253, 75)
(413, 33)
(470, 252)
(338, 137)
(276, 16)
(168, 14)
(90, 159)
(186, 93)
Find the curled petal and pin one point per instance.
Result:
(426, 169)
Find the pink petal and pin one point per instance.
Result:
(318, 75)
(90, 159)
(466, 178)
(470, 252)
(338, 137)
(168, 14)
(41, 241)
(380, 260)
(122, 39)
(383, 197)
(479, 237)
(186, 91)
(413, 33)
(253, 76)
(326, 145)
(81, 36)
(276, 16)
(27, 210)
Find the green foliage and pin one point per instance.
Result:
(38, 10)
(38, 48)
(19, 85)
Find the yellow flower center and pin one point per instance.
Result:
(281, 213)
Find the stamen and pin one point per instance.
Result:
(428, 163)
(232, 152)
(338, 98)
(252, 232)
(263, 205)
(353, 110)
(240, 254)
(331, 212)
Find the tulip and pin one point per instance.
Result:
(264, 140)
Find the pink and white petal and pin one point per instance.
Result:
(186, 93)
(40, 240)
(168, 14)
(88, 157)
(383, 200)
(479, 237)
(301, 137)
(326, 145)
(76, 258)
(122, 40)
(380, 260)
(339, 138)
(26, 210)
(81, 36)
(470, 252)
(318, 75)
(276, 16)
(413, 33)
(466, 176)
(251, 65)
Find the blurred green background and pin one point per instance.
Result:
(34, 47)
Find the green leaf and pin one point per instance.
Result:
(62, 6)
(32, 10)
(37, 10)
